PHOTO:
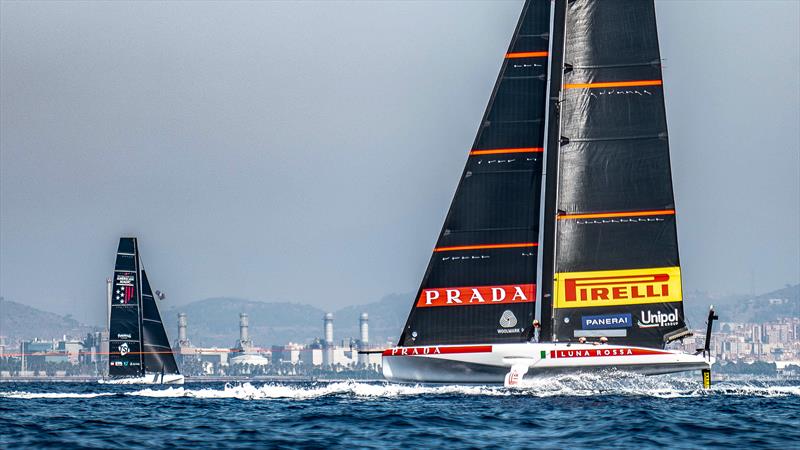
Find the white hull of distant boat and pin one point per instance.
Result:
(155, 378)
(509, 363)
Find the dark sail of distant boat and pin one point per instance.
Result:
(567, 191)
(139, 349)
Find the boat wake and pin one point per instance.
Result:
(575, 385)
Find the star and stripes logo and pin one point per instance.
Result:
(123, 294)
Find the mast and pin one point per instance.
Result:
(139, 302)
(551, 150)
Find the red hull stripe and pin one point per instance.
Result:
(434, 350)
(515, 55)
(613, 84)
(658, 212)
(498, 151)
(601, 352)
(486, 246)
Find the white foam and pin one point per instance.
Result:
(577, 385)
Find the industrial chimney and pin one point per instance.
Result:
(183, 341)
(363, 358)
(244, 332)
(327, 353)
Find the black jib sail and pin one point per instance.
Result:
(616, 255)
(137, 340)
(480, 283)
(158, 355)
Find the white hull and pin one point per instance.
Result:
(489, 364)
(155, 378)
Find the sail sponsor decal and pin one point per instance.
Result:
(618, 287)
(650, 319)
(436, 350)
(124, 287)
(508, 323)
(607, 321)
(477, 295)
(602, 352)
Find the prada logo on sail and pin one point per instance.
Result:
(477, 295)
(618, 287)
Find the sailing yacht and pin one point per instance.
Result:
(559, 252)
(139, 350)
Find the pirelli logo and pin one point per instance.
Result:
(618, 287)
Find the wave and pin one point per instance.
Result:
(580, 385)
(32, 395)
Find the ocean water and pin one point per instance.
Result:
(572, 411)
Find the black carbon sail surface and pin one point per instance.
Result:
(138, 343)
(617, 272)
(125, 354)
(480, 283)
(158, 355)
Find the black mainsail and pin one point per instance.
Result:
(480, 283)
(617, 272)
(138, 343)
(589, 72)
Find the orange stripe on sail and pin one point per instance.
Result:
(614, 84)
(656, 212)
(516, 55)
(495, 151)
(485, 246)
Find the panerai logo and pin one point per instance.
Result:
(658, 319)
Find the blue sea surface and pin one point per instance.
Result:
(576, 411)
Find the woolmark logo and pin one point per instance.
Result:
(658, 319)
(508, 319)
(477, 295)
(618, 287)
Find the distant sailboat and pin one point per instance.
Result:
(139, 351)
(566, 201)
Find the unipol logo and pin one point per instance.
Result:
(477, 295)
(658, 319)
(618, 287)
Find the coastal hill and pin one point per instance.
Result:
(18, 321)
(215, 321)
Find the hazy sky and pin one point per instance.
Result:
(308, 151)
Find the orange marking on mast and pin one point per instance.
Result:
(516, 55)
(658, 212)
(613, 84)
(496, 151)
(485, 246)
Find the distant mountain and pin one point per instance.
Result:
(215, 321)
(18, 322)
(743, 308)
